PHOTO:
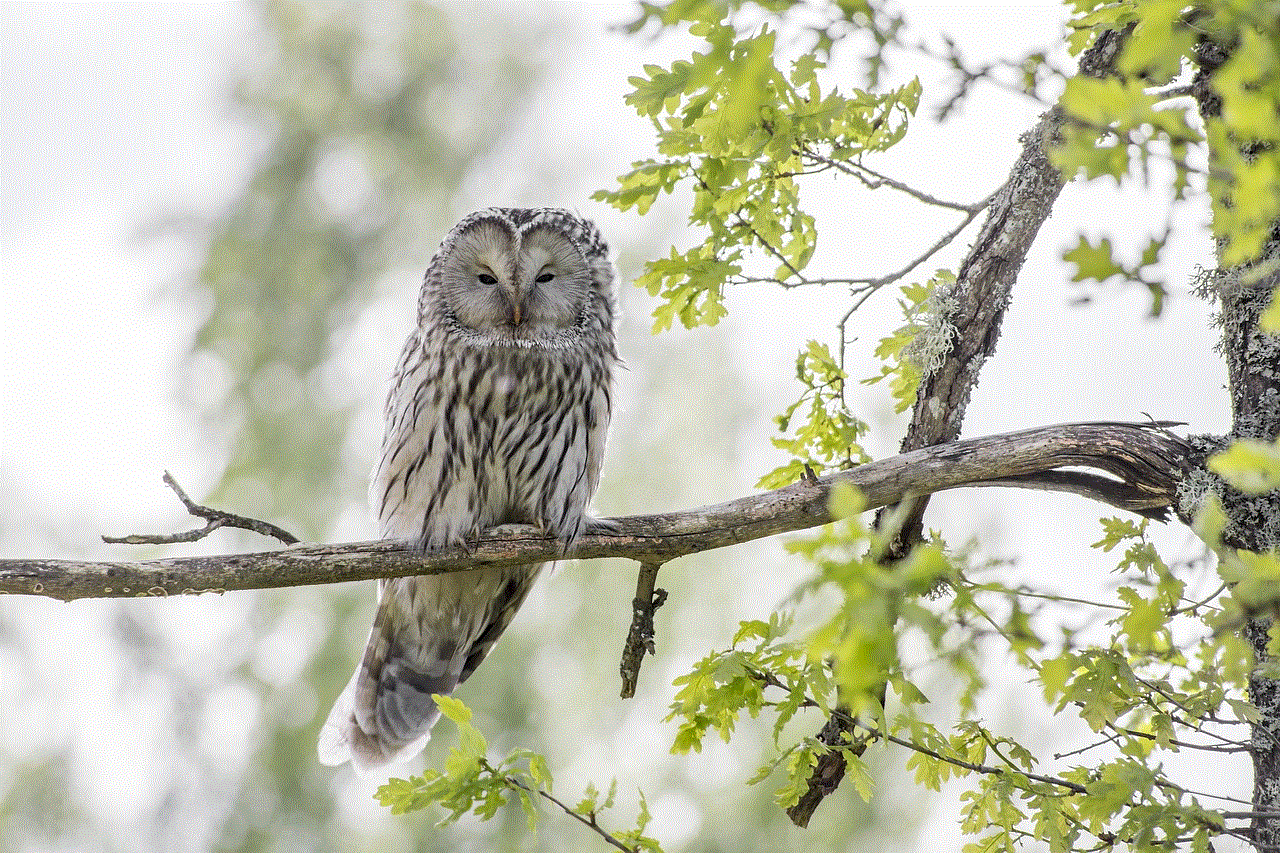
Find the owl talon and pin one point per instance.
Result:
(469, 543)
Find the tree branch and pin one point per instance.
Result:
(640, 637)
(1145, 460)
(984, 282)
(859, 171)
(587, 820)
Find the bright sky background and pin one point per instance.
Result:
(113, 115)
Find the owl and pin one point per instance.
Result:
(497, 414)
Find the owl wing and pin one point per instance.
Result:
(424, 490)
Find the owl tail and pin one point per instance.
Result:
(429, 635)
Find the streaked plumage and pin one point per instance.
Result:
(497, 413)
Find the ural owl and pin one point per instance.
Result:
(497, 413)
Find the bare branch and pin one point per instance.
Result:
(937, 246)
(1138, 468)
(1170, 92)
(867, 285)
(217, 518)
(640, 637)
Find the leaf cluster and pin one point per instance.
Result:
(1146, 691)
(471, 784)
(1252, 468)
(739, 126)
(825, 432)
(1120, 124)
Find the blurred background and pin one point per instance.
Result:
(214, 223)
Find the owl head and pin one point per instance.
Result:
(520, 276)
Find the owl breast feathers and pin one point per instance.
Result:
(497, 413)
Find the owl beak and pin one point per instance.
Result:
(513, 297)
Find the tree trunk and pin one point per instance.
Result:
(1254, 384)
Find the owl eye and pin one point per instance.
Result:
(545, 277)
(485, 278)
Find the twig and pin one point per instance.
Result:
(1235, 747)
(867, 285)
(588, 821)
(1190, 719)
(1176, 91)
(216, 518)
(1073, 787)
(640, 637)
(769, 247)
(941, 242)
(851, 723)
(860, 172)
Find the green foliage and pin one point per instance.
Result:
(1244, 143)
(1118, 125)
(916, 348)
(1250, 465)
(1140, 691)
(471, 784)
(1255, 586)
(1098, 263)
(824, 432)
(1269, 322)
(738, 130)
(876, 602)
(1253, 578)
(724, 685)
(1114, 126)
